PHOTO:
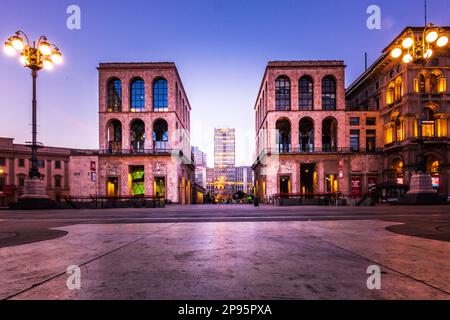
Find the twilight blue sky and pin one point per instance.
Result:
(220, 47)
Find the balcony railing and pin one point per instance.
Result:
(312, 150)
(131, 151)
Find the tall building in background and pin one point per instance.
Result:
(244, 179)
(200, 162)
(224, 160)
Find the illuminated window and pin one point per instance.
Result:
(428, 123)
(136, 179)
(282, 93)
(399, 129)
(137, 95)
(114, 99)
(398, 92)
(371, 140)
(328, 93)
(160, 100)
(390, 93)
(305, 93)
(434, 171)
(397, 167)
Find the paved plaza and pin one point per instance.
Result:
(227, 252)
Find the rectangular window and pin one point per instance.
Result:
(2, 162)
(58, 181)
(136, 178)
(57, 164)
(377, 103)
(354, 140)
(371, 140)
(21, 163)
(370, 121)
(354, 121)
(41, 164)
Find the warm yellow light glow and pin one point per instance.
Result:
(17, 43)
(408, 42)
(45, 48)
(1, 171)
(428, 54)
(48, 64)
(407, 58)
(396, 52)
(9, 49)
(442, 41)
(431, 36)
(24, 59)
(57, 57)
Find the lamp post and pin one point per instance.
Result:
(36, 55)
(417, 49)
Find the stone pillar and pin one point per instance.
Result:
(49, 174)
(66, 175)
(11, 171)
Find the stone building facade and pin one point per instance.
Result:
(398, 92)
(306, 140)
(15, 163)
(315, 136)
(144, 136)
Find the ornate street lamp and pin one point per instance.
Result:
(35, 56)
(417, 49)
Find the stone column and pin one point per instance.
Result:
(49, 174)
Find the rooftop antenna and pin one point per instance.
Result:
(425, 12)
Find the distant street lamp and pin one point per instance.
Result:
(36, 56)
(418, 49)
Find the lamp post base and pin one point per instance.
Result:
(421, 191)
(34, 197)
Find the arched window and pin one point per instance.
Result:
(160, 135)
(114, 95)
(283, 135)
(306, 135)
(114, 136)
(160, 100)
(438, 83)
(137, 136)
(328, 93)
(390, 93)
(305, 93)
(398, 92)
(329, 135)
(422, 83)
(428, 122)
(282, 93)
(137, 95)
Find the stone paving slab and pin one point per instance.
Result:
(245, 260)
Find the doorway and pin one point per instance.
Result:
(307, 178)
(285, 184)
(160, 187)
(113, 187)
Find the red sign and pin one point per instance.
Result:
(341, 168)
(8, 190)
(356, 186)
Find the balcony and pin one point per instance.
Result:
(309, 149)
(138, 152)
